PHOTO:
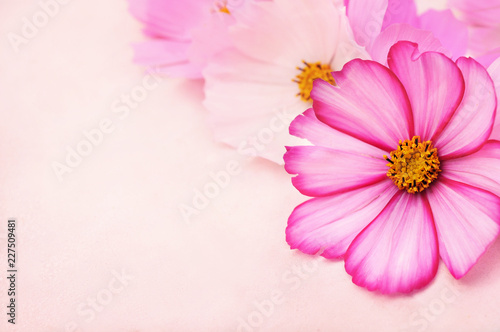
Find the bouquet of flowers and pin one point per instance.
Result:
(377, 109)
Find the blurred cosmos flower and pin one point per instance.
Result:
(379, 24)
(264, 55)
(280, 47)
(402, 169)
(483, 18)
(185, 34)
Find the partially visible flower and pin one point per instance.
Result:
(255, 89)
(402, 169)
(185, 34)
(478, 12)
(379, 24)
(483, 18)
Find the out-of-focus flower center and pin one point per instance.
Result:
(413, 165)
(221, 6)
(308, 73)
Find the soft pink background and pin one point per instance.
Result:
(119, 210)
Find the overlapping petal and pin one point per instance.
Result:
(368, 103)
(471, 125)
(480, 169)
(250, 98)
(366, 17)
(323, 171)
(467, 221)
(400, 11)
(398, 32)
(331, 223)
(398, 251)
(313, 35)
(434, 84)
(308, 126)
(444, 26)
(478, 12)
(167, 19)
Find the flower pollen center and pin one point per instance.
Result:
(221, 6)
(413, 165)
(308, 74)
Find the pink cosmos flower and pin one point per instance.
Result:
(256, 88)
(280, 47)
(379, 24)
(185, 34)
(483, 17)
(402, 170)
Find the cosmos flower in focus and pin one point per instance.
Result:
(402, 169)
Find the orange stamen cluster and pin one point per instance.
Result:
(221, 6)
(308, 74)
(413, 165)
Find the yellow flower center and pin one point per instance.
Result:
(308, 74)
(221, 6)
(413, 165)
(224, 9)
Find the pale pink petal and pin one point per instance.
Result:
(484, 40)
(487, 59)
(210, 38)
(478, 12)
(366, 17)
(368, 103)
(480, 169)
(434, 84)
(494, 71)
(331, 223)
(400, 11)
(466, 220)
(307, 126)
(404, 32)
(323, 171)
(286, 32)
(450, 31)
(251, 104)
(347, 48)
(471, 125)
(397, 252)
(170, 19)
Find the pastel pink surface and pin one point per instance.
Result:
(119, 208)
